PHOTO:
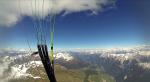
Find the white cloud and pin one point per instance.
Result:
(11, 11)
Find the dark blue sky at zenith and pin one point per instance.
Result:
(120, 26)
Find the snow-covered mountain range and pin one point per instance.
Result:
(118, 62)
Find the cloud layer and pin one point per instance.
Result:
(13, 10)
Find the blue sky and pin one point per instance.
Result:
(119, 26)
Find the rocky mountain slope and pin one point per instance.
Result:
(86, 65)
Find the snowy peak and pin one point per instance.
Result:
(65, 56)
(21, 70)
